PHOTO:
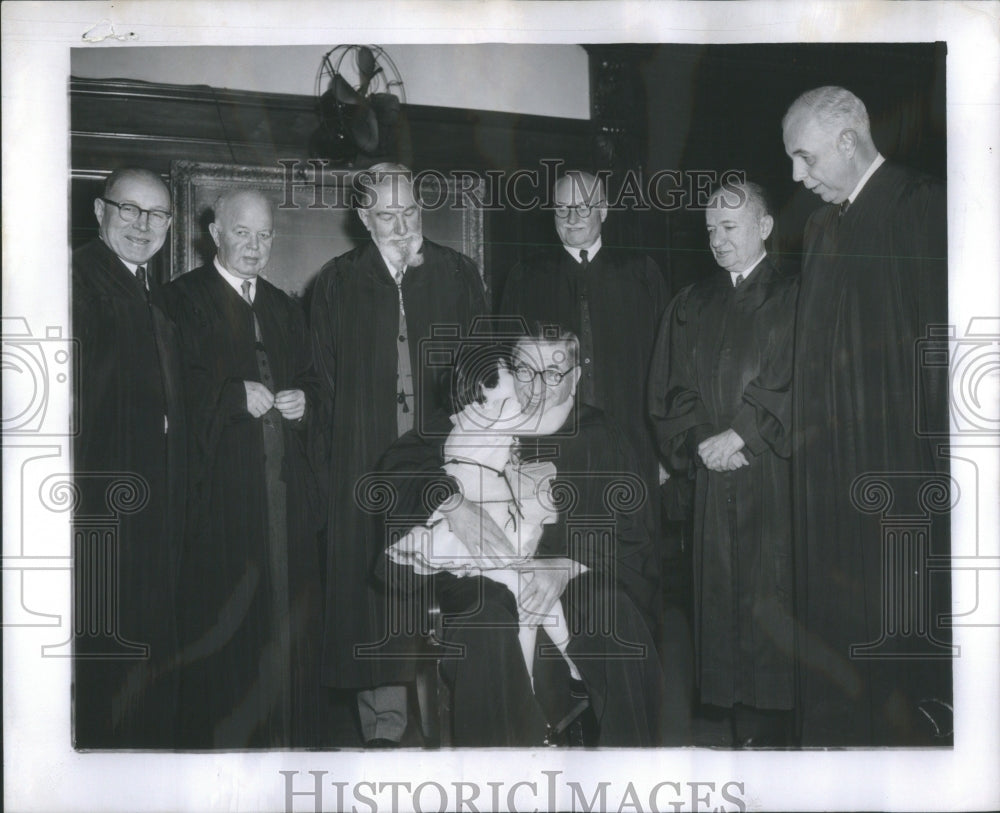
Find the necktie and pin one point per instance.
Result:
(587, 384)
(843, 208)
(140, 274)
(404, 369)
(739, 279)
(249, 301)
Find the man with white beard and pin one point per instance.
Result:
(371, 307)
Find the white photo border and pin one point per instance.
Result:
(43, 773)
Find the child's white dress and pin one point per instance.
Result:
(515, 495)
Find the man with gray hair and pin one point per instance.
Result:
(371, 309)
(720, 400)
(250, 618)
(874, 279)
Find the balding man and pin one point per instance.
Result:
(720, 399)
(131, 411)
(250, 588)
(874, 278)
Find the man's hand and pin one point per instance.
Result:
(737, 460)
(291, 404)
(476, 529)
(542, 582)
(718, 451)
(259, 398)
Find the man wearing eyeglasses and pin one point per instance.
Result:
(611, 298)
(595, 559)
(131, 432)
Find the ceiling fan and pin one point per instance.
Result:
(359, 96)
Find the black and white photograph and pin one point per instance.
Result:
(501, 406)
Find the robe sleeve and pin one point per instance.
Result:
(679, 416)
(323, 332)
(589, 484)
(410, 477)
(303, 372)
(763, 420)
(924, 220)
(211, 404)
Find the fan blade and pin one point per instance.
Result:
(344, 92)
(386, 107)
(366, 63)
(364, 129)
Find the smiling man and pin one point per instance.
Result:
(874, 279)
(132, 426)
(250, 588)
(720, 399)
(595, 560)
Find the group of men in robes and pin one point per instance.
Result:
(256, 573)
(786, 400)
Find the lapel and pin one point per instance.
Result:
(119, 279)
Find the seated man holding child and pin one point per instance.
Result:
(541, 559)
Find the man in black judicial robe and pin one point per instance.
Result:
(874, 278)
(251, 601)
(720, 399)
(129, 457)
(371, 309)
(612, 299)
(597, 560)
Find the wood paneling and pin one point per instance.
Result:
(122, 122)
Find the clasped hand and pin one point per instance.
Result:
(290, 403)
(486, 543)
(722, 452)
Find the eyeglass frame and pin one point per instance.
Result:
(546, 374)
(140, 212)
(578, 208)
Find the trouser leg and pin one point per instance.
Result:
(382, 711)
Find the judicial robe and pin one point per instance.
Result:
(873, 281)
(250, 601)
(724, 360)
(609, 609)
(614, 307)
(132, 424)
(355, 333)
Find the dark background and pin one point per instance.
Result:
(691, 108)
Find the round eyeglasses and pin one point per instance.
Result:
(129, 212)
(582, 210)
(550, 375)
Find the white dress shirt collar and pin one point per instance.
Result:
(591, 250)
(734, 274)
(879, 160)
(235, 282)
